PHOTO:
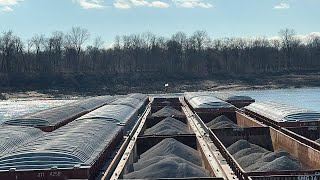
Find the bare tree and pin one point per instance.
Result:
(74, 41)
(200, 39)
(288, 39)
(39, 43)
(29, 45)
(7, 47)
(77, 37)
(57, 41)
(117, 42)
(314, 41)
(140, 54)
(54, 47)
(98, 42)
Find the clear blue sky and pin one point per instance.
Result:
(108, 18)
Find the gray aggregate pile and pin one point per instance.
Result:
(221, 122)
(253, 149)
(282, 163)
(168, 159)
(168, 167)
(145, 163)
(238, 145)
(168, 126)
(166, 102)
(318, 140)
(170, 146)
(276, 154)
(270, 157)
(252, 157)
(167, 111)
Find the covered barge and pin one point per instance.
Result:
(192, 136)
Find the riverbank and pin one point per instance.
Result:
(174, 86)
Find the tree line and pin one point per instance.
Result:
(180, 55)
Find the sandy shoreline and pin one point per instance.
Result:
(262, 82)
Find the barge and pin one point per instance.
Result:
(186, 136)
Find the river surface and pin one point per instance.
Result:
(308, 98)
(303, 97)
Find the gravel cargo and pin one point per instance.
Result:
(221, 122)
(168, 126)
(168, 159)
(252, 157)
(168, 111)
(283, 163)
(238, 145)
(171, 146)
(171, 167)
(145, 163)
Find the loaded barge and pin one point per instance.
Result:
(186, 136)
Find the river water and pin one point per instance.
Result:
(308, 98)
(303, 97)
